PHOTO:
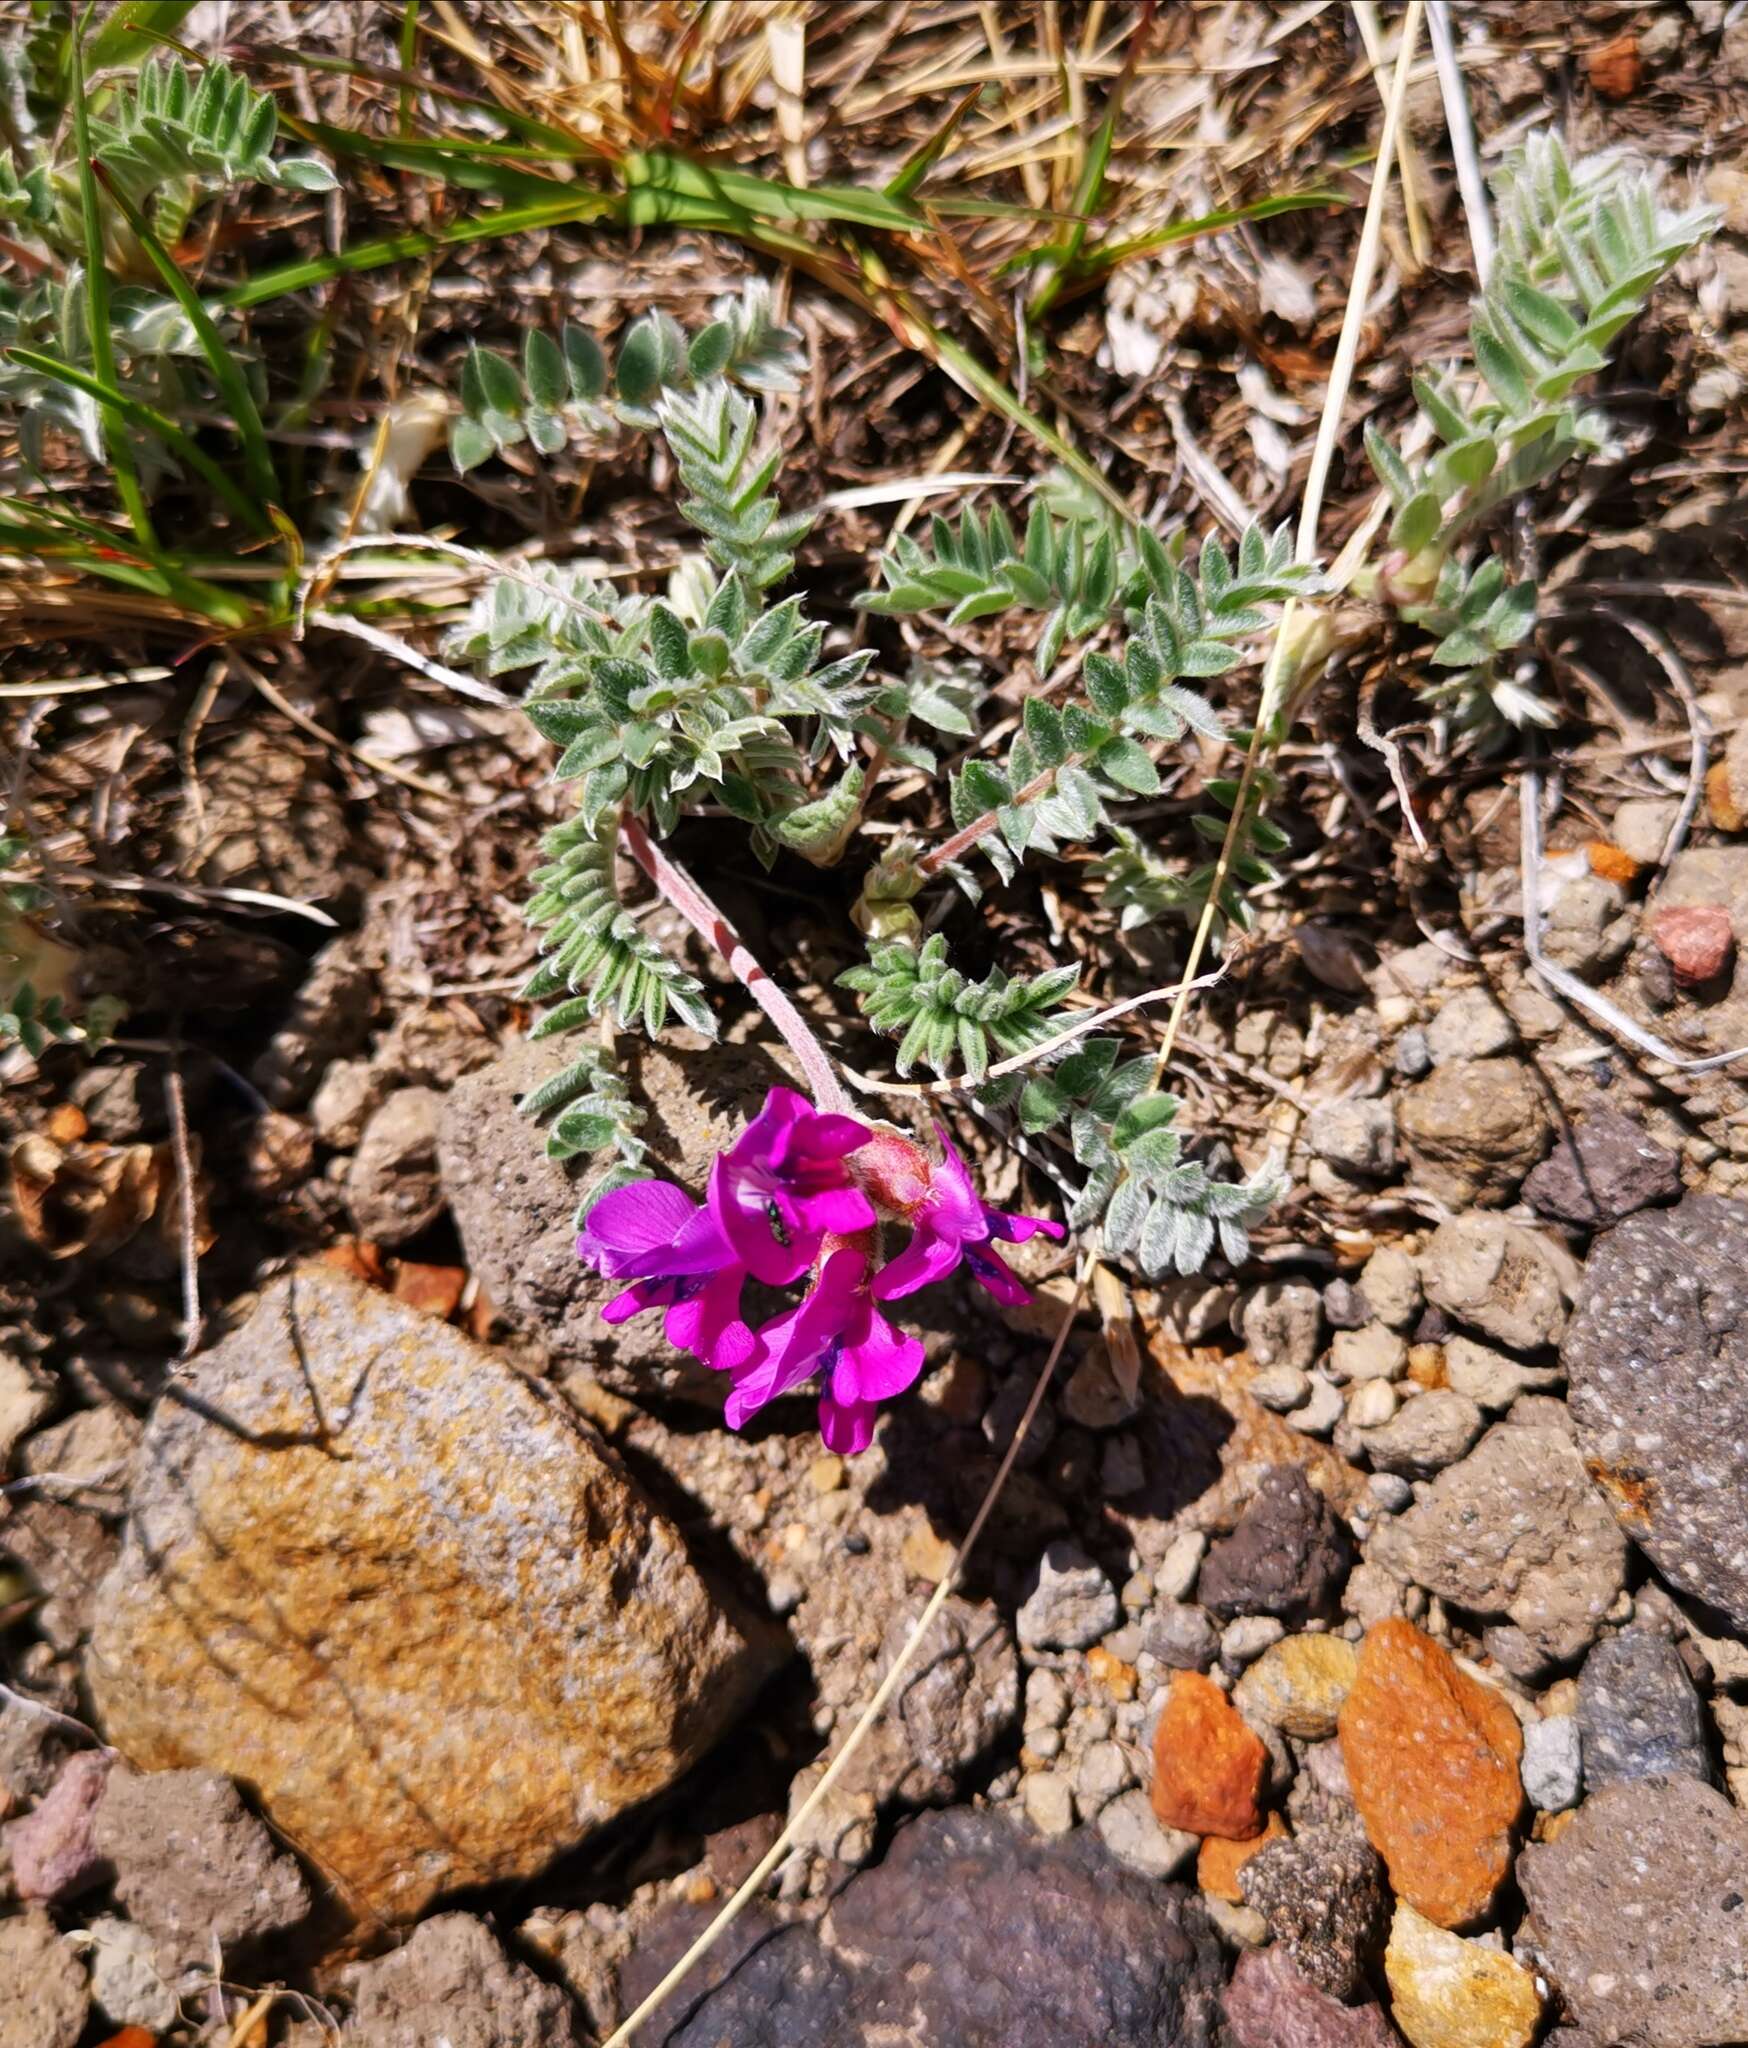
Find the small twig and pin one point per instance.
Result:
(1628, 586)
(715, 930)
(1410, 168)
(316, 730)
(1385, 744)
(871, 1713)
(1470, 183)
(75, 1482)
(185, 1215)
(1322, 455)
(1213, 486)
(1699, 728)
(409, 657)
(188, 892)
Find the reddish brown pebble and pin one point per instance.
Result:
(1218, 1862)
(1207, 1765)
(1696, 940)
(435, 1289)
(1432, 1757)
(130, 2037)
(362, 1260)
(1616, 67)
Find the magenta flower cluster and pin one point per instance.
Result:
(803, 1193)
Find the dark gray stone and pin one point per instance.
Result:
(1639, 1912)
(1181, 1635)
(1288, 1555)
(973, 1933)
(1638, 1713)
(768, 1986)
(1657, 1359)
(1324, 1897)
(1604, 1170)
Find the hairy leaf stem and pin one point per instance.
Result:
(679, 889)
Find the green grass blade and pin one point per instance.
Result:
(1103, 257)
(982, 382)
(931, 149)
(102, 557)
(136, 28)
(121, 456)
(468, 164)
(149, 420)
(227, 372)
(575, 205)
(133, 28)
(1090, 186)
(662, 172)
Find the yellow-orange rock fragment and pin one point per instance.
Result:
(1432, 1756)
(1207, 1765)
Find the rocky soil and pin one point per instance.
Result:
(1372, 1673)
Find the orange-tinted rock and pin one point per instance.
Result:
(440, 1645)
(1727, 814)
(1219, 1861)
(1118, 1679)
(435, 1289)
(1432, 1756)
(1207, 1765)
(1613, 863)
(1616, 67)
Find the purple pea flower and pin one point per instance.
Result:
(839, 1335)
(953, 1223)
(780, 1189)
(657, 1237)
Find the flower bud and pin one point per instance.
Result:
(894, 1171)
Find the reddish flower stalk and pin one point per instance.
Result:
(679, 889)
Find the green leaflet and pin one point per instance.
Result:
(562, 394)
(1069, 764)
(588, 1110)
(593, 950)
(1581, 247)
(818, 830)
(943, 1021)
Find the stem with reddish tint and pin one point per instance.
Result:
(980, 828)
(679, 889)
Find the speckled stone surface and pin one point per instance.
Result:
(1657, 1356)
(440, 1644)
